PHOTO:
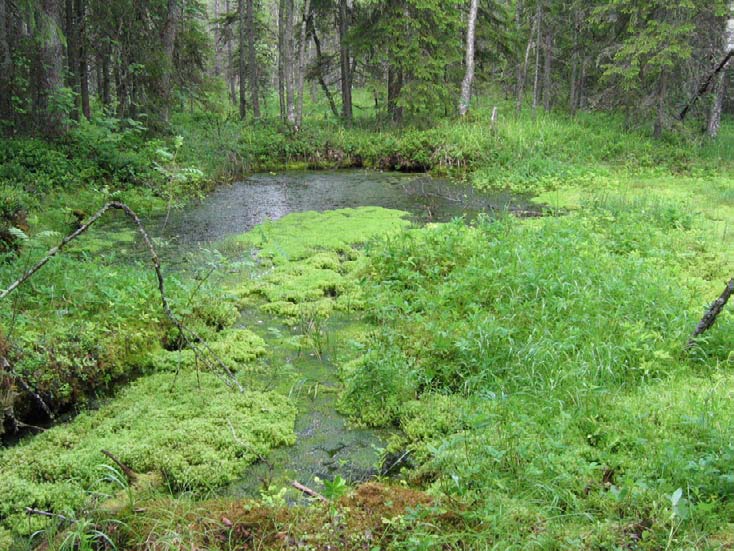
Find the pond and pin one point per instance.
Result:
(327, 446)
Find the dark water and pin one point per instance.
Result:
(239, 207)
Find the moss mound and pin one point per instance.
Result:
(194, 431)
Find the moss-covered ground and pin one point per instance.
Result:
(534, 372)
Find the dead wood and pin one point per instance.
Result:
(130, 474)
(706, 84)
(201, 350)
(308, 491)
(709, 318)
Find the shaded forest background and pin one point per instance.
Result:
(63, 60)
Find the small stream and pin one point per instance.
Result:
(326, 445)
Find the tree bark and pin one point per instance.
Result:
(217, 41)
(536, 82)
(168, 41)
(344, 56)
(302, 62)
(83, 61)
(289, 64)
(709, 318)
(523, 77)
(466, 85)
(72, 54)
(714, 122)
(252, 58)
(660, 118)
(6, 66)
(49, 119)
(230, 64)
(319, 68)
(394, 88)
(281, 57)
(106, 87)
(547, 61)
(242, 59)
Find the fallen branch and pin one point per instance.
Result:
(308, 491)
(131, 475)
(48, 514)
(191, 339)
(706, 84)
(709, 318)
(6, 367)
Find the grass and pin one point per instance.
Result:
(538, 373)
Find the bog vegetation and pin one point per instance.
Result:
(534, 375)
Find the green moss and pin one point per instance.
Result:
(298, 235)
(314, 272)
(237, 348)
(195, 431)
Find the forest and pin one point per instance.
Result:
(366, 274)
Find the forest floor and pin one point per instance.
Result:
(533, 372)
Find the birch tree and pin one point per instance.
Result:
(466, 85)
(714, 122)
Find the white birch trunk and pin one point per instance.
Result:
(302, 63)
(466, 85)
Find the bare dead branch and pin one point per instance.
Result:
(130, 474)
(308, 491)
(191, 339)
(48, 514)
(706, 84)
(709, 318)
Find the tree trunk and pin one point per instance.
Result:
(72, 54)
(302, 62)
(49, 119)
(243, 62)
(346, 76)
(523, 77)
(252, 58)
(714, 122)
(106, 88)
(394, 88)
(281, 57)
(466, 85)
(660, 118)
(572, 95)
(319, 68)
(217, 41)
(230, 64)
(536, 83)
(289, 64)
(547, 60)
(6, 66)
(168, 41)
(83, 62)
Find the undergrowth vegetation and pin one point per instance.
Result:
(537, 370)
(525, 152)
(534, 371)
(163, 424)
